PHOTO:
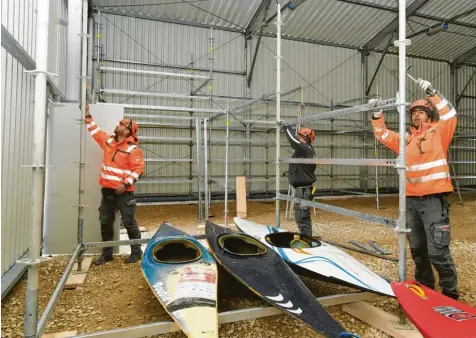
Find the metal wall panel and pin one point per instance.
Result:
(19, 18)
(57, 41)
(17, 144)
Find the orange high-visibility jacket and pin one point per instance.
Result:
(426, 152)
(123, 162)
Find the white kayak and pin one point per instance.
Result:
(317, 259)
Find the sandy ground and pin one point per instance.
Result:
(116, 295)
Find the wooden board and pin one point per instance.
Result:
(434, 314)
(76, 278)
(60, 334)
(381, 320)
(183, 276)
(265, 273)
(241, 207)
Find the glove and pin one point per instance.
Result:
(88, 115)
(426, 86)
(378, 113)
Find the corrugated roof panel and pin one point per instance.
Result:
(334, 21)
(445, 8)
(225, 13)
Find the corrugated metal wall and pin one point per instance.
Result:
(466, 125)
(19, 17)
(329, 75)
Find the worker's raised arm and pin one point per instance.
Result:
(447, 122)
(98, 135)
(385, 136)
(299, 147)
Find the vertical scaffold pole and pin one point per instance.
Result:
(38, 170)
(279, 23)
(401, 229)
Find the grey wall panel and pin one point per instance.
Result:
(19, 18)
(61, 215)
(57, 40)
(17, 129)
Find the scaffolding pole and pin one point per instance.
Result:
(227, 154)
(199, 168)
(401, 228)
(82, 141)
(205, 144)
(279, 23)
(38, 171)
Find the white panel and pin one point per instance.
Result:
(19, 18)
(61, 215)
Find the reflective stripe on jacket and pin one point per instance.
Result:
(426, 150)
(123, 162)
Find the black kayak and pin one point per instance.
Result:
(265, 273)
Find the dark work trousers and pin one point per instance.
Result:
(429, 239)
(303, 212)
(126, 203)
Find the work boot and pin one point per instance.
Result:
(135, 256)
(104, 258)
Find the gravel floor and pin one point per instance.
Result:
(116, 295)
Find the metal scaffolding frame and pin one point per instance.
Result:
(34, 328)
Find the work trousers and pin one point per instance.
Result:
(126, 203)
(429, 239)
(303, 212)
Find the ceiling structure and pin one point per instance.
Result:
(439, 30)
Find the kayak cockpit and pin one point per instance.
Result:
(176, 251)
(241, 245)
(291, 240)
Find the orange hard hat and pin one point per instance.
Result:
(131, 125)
(308, 134)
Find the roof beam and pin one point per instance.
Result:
(12, 46)
(465, 56)
(264, 4)
(395, 10)
(377, 39)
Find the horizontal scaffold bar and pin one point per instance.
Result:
(165, 181)
(342, 161)
(225, 317)
(152, 72)
(168, 160)
(222, 160)
(151, 94)
(165, 117)
(165, 138)
(382, 104)
(165, 108)
(339, 210)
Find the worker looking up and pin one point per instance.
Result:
(301, 176)
(123, 164)
(428, 183)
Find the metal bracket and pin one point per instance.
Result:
(83, 76)
(399, 230)
(39, 260)
(80, 206)
(34, 72)
(85, 34)
(406, 42)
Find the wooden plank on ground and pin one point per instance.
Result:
(76, 278)
(241, 210)
(60, 334)
(381, 320)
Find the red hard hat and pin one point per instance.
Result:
(131, 125)
(308, 134)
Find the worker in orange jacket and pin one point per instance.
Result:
(428, 183)
(123, 165)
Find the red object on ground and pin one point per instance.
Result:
(435, 315)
